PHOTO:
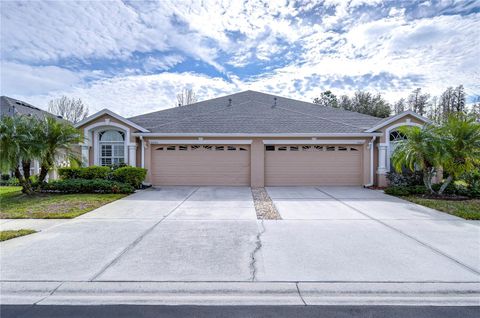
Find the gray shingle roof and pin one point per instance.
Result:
(11, 106)
(254, 112)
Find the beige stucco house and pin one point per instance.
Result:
(248, 138)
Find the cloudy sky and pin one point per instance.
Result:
(133, 56)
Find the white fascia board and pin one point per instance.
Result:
(314, 142)
(200, 142)
(279, 135)
(397, 117)
(114, 115)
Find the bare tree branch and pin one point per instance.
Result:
(186, 97)
(71, 109)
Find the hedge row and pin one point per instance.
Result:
(452, 189)
(130, 175)
(86, 186)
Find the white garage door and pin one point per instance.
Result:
(291, 165)
(201, 165)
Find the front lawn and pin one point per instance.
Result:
(468, 209)
(7, 235)
(16, 205)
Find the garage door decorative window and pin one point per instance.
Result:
(112, 148)
(310, 148)
(207, 148)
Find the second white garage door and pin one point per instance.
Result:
(201, 165)
(297, 165)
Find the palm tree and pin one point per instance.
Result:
(56, 138)
(460, 137)
(421, 150)
(18, 148)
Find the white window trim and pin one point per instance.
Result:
(96, 148)
(93, 130)
(100, 143)
(387, 138)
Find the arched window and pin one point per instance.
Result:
(112, 147)
(395, 137)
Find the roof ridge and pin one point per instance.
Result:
(313, 104)
(310, 115)
(204, 113)
(188, 105)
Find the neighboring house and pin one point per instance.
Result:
(10, 107)
(248, 138)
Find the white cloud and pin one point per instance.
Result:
(162, 63)
(137, 94)
(31, 80)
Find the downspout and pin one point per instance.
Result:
(372, 148)
(142, 152)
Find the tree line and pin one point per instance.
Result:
(436, 108)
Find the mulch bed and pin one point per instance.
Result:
(264, 205)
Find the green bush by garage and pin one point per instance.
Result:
(132, 176)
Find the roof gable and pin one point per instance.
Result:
(394, 118)
(112, 114)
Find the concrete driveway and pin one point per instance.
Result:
(356, 234)
(211, 234)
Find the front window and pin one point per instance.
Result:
(112, 148)
(394, 138)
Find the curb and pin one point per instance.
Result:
(239, 293)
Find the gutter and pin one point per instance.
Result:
(259, 135)
(371, 145)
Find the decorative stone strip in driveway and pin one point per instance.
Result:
(264, 206)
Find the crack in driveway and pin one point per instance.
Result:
(258, 247)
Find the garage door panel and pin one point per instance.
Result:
(195, 165)
(313, 166)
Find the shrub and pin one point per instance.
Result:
(403, 191)
(89, 173)
(397, 190)
(418, 189)
(116, 166)
(12, 182)
(5, 177)
(130, 175)
(405, 179)
(473, 183)
(94, 172)
(451, 188)
(86, 186)
(69, 173)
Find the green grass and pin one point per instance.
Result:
(468, 209)
(16, 205)
(7, 235)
